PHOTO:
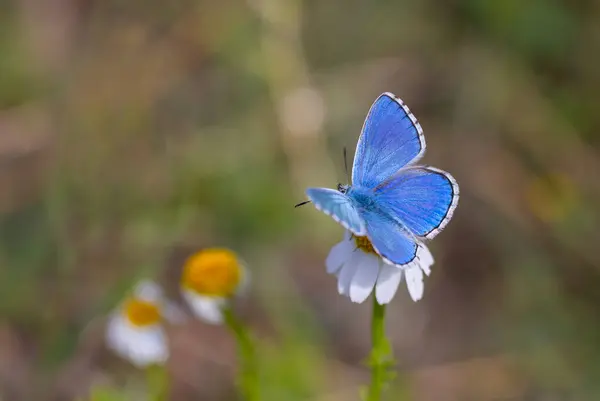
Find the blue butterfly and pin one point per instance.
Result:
(393, 202)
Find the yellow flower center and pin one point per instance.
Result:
(364, 244)
(212, 272)
(141, 313)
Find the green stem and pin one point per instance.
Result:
(248, 381)
(381, 359)
(156, 378)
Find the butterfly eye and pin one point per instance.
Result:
(342, 188)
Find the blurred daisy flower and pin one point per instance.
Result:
(210, 279)
(135, 330)
(360, 271)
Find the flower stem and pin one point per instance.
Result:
(381, 359)
(157, 381)
(248, 380)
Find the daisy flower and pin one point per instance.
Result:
(135, 330)
(360, 271)
(210, 279)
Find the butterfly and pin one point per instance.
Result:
(396, 204)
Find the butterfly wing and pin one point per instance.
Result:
(391, 138)
(392, 241)
(339, 206)
(423, 199)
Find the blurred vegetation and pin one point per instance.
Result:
(133, 132)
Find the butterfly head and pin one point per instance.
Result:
(343, 188)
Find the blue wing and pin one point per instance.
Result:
(423, 199)
(392, 241)
(391, 138)
(338, 206)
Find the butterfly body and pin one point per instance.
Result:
(393, 202)
(362, 197)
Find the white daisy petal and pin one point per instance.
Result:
(150, 347)
(359, 272)
(142, 346)
(425, 259)
(148, 290)
(364, 279)
(387, 283)
(347, 235)
(207, 308)
(114, 330)
(346, 273)
(414, 282)
(339, 254)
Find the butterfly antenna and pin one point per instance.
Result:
(302, 203)
(346, 165)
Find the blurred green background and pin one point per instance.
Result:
(134, 132)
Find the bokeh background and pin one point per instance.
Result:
(135, 132)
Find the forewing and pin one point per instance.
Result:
(391, 138)
(423, 199)
(338, 206)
